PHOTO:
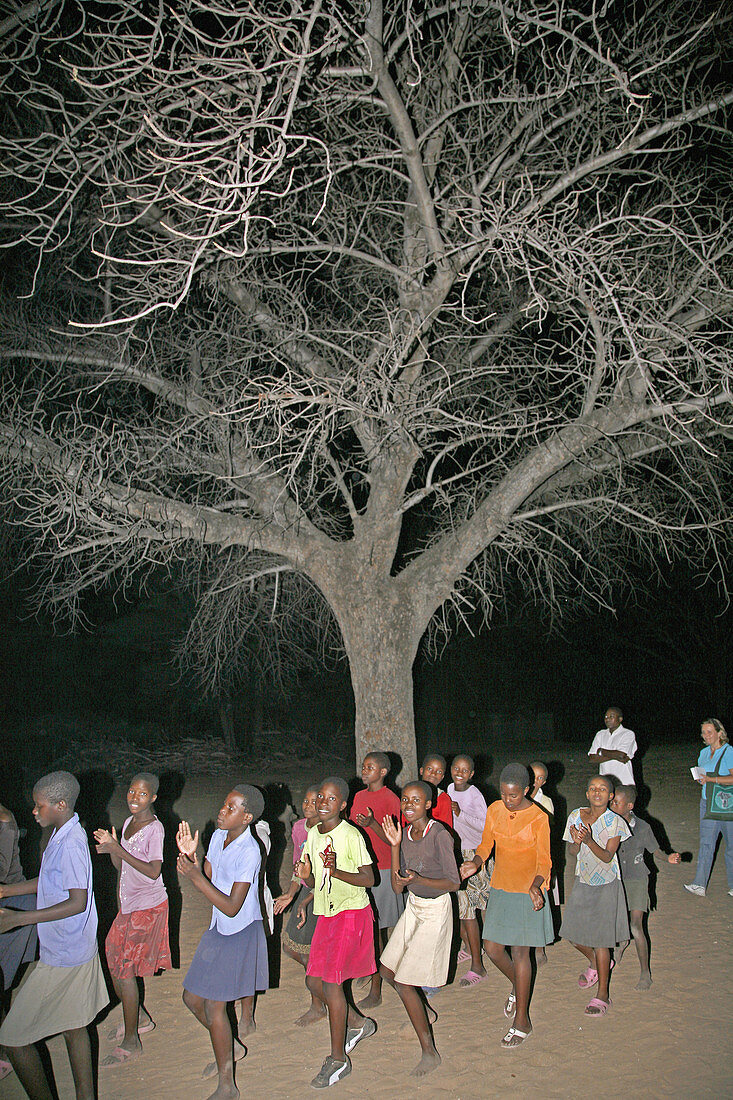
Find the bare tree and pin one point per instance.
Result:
(413, 304)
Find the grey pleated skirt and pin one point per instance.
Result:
(596, 916)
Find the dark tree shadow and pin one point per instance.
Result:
(483, 775)
(97, 787)
(169, 791)
(555, 775)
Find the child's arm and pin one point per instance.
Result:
(14, 918)
(367, 821)
(304, 871)
(474, 811)
(108, 843)
(536, 895)
(450, 880)
(17, 889)
(364, 876)
(393, 833)
(302, 909)
(228, 904)
(471, 866)
(283, 901)
(585, 836)
(671, 857)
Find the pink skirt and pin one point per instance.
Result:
(343, 946)
(137, 943)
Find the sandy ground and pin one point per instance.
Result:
(671, 1041)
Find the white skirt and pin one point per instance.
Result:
(418, 951)
(52, 999)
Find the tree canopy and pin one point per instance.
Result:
(399, 307)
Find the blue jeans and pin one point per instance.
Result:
(709, 832)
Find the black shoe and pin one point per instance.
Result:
(330, 1072)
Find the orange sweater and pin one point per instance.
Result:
(522, 842)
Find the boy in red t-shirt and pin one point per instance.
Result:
(367, 811)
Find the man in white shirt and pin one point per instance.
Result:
(613, 748)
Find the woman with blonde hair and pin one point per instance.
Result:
(715, 764)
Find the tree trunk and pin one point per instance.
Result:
(381, 640)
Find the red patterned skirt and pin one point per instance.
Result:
(137, 943)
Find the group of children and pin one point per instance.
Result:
(392, 866)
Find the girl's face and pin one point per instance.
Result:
(415, 804)
(461, 773)
(309, 807)
(512, 795)
(139, 797)
(540, 778)
(329, 803)
(709, 734)
(599, 793)
(432, 772)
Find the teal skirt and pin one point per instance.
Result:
(512, 920)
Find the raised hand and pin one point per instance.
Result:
(106, 840)
(392, 830)
(187, 844)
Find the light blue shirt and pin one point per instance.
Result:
(709, 763)
(67, 865)
(238, 862)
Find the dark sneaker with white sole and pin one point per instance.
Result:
(355, 1035)
(330, 1072)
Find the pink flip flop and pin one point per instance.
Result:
(602, 1006)
(463, 956)
(142, 1030)
(588, 978)
(117, 1057)
(5, 1069)
(472, 978)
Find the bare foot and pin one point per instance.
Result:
(371, 1001)
(246, 1027)
(644, 981)
(407, 1031)
(212, 1069)
(225, 1092)
(429, 1061)
(314, 1013)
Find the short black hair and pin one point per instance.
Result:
(627, 791)
(381, 758)
(426, 788)
(253, 798)
(149, 779)
(58, 787)
(515, 775)
(464, 756)
(433, 756)
(340, 784)
(607, 779)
